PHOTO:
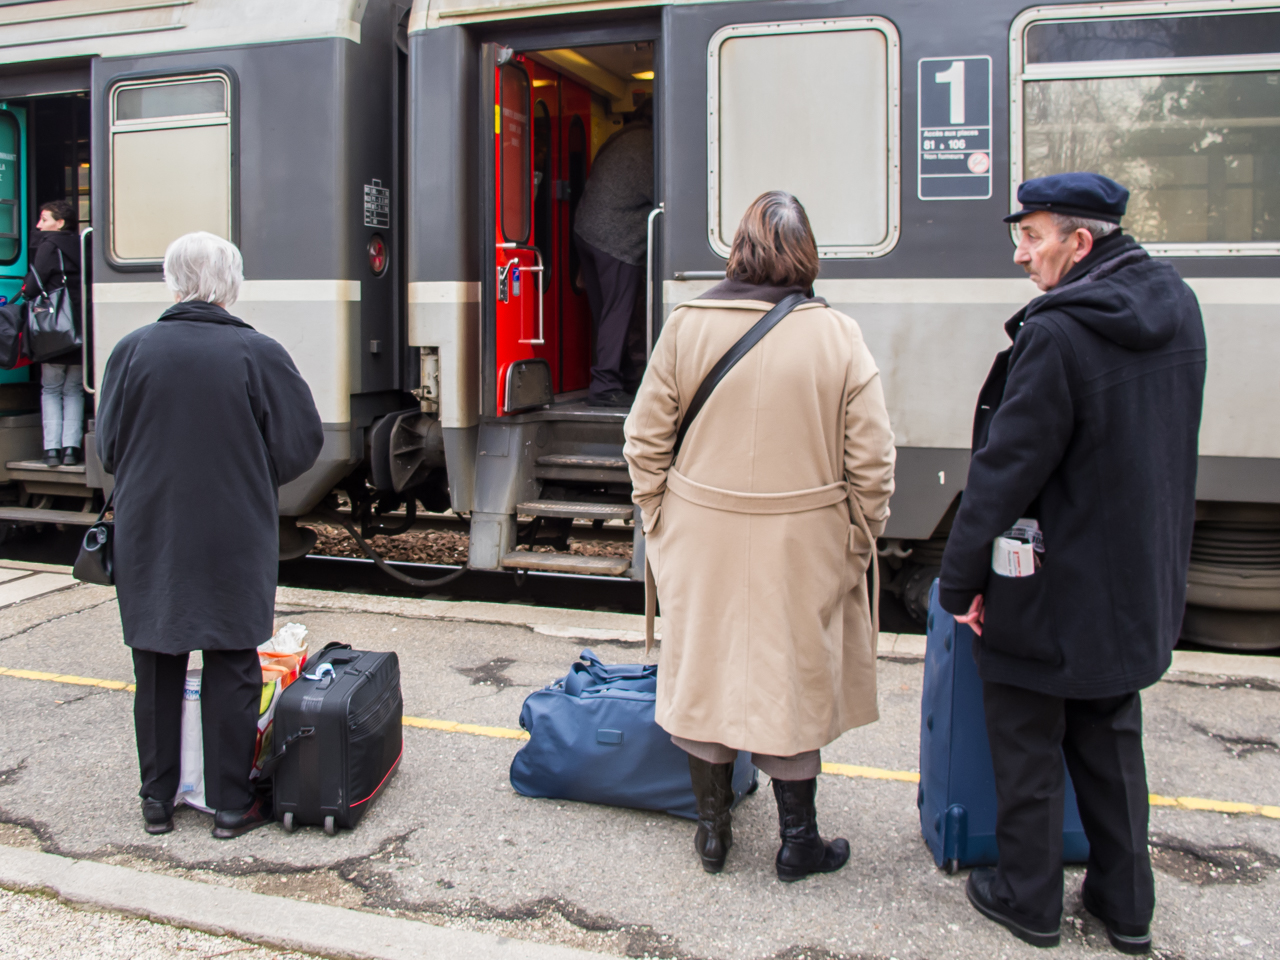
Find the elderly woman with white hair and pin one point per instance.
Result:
(201, 420)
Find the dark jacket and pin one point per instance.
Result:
(201, 419)
(1088, 424)
(614, 211)
(45, 268)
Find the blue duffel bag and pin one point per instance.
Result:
(592, 737)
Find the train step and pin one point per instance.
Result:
(567, 563)
(569, 508)
(595, 468)
(56, 481)
(36, 515)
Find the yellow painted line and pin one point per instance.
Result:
(869, 773)
(835, 769)
(1215, 806)
(452, 726)
(66, 678)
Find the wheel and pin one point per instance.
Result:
(287, 821)
(951, 866)
(329, 827)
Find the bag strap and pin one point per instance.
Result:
(106, 507)
(726, 363)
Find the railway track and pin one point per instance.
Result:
(355, 575)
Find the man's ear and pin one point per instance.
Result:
(1084, 243)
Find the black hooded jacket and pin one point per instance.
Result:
(201, 419)
(1089, 424)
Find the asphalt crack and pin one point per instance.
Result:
(1209, 865)
(13, 774)
(1238, 747)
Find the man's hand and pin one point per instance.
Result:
(974, 617)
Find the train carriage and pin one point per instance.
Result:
(404, 184)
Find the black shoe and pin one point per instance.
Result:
(614, 398)
(233, 823)
(713, 789)
(52, 458)
(978, 890)
(803, 851)
(158, 815)
(70, 456)
(1125, 937)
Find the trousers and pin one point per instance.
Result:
(62, 404)
(230, 694)
(612, 288)
(802, 766)
(1030, 734)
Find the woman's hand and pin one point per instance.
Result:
(974, 617)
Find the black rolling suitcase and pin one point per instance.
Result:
(338, 738)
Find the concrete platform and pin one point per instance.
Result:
(451, 844)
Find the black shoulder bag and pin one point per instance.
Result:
(93, 565)
(734, 354)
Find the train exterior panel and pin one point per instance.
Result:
(403, 182)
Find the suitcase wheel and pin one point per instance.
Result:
(951, 866)
(287, 821)
(329, 827)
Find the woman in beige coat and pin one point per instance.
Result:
(761, 532)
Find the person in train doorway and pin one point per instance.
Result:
(1085, 447)
(55, 262)
(201, 420)
(760, 531)
(611, 230)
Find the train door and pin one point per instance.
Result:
(13, 211)
(521, 343)
(541, 153)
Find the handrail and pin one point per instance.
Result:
(648, 274)
(542, 339)
(84, 317)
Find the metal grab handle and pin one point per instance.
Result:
(648, 273)
(84, 318)
(539, 271)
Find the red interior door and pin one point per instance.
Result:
(521, 326)
(543, 123)
(574, 142)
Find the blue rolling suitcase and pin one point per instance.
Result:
(957, 797)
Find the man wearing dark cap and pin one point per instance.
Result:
(1069, 553)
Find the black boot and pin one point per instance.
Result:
(158, 815)
(713, 789)
(52, 458)
(70, 456)
(803, 851)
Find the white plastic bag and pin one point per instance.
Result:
(191, 778)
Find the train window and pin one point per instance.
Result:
(10, 188)
(170, 163)
(513, 151)
(1183, 110)
(786, 77)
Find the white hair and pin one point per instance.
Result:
(202, 266)
(1068, 225)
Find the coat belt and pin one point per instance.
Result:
(791, 501)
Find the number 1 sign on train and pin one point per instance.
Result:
(954, 128)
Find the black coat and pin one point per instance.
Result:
(201, 419)
(1089, 424)
(46, 268)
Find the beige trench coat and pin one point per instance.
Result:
(760, 535)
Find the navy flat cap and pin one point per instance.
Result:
(1073, 194)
